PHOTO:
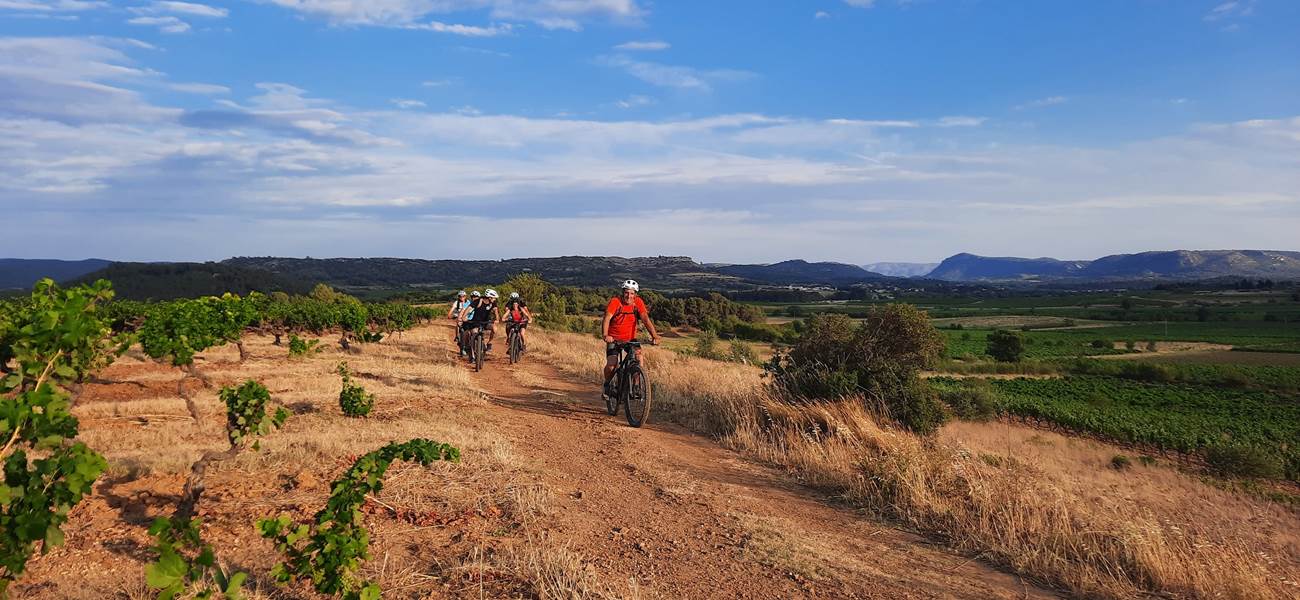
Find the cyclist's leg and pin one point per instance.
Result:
(611, 363)
(489, 332)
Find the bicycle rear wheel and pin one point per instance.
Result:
(516, 347)
(636, 396)
(478, 352)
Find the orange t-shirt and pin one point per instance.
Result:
(622, 326)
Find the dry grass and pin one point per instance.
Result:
(490, 498)
(1008, 511)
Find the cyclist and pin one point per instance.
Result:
(619, 325)
(517, 314)
(483, 314)
(462, 317)
(459, 304)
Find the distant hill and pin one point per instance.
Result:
(901, 269)
(800, 271)
(1158, 265)
(665, 273)
(21, 273)
(165, 281)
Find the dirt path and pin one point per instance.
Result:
(685, 518)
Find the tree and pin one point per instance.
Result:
(1202, 313)
(1126, 304)
(878, 359)
(1005, 346)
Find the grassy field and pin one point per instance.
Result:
(1038, 344)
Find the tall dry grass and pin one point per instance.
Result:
(998, 508)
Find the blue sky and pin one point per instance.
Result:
(849, 130)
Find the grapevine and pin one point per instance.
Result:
(54, 341)
(329, 549)
(184, 560)
(354, 401)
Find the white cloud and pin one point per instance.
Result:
(673, 76)
(437, 82)
(635, 101)
(166, 24)
(1042, 102)
(199, 88)
(821, 14)
(465, 30)
(649, 46)
(286, 172)
(1231, 9)
(51, 5)
(405, 103)
(548, 14)
(959, 121)
(860, 3)
(191, 9)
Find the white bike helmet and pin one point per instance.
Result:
(631, 284)
(475, 294)
(491, 293)
(460, 294)
(514, 295)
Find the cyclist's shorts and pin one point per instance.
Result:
(612, 349)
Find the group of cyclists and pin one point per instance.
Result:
(473, 311)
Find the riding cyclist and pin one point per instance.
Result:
(621, 316)
(457, 306)
(483, 314)
(517, 314)
(462, 318)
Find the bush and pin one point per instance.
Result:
(353, 399)
(1119, 462)
(878, 359)
(743, 353)
(1242, 461)
(974, 400)
(1130, 345)
(1101, 344)
(706, 345)
(1151, 346)
(1005, 346)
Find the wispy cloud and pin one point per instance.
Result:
(52, 5)
(860, 3)
(1042, 102)
(199, 88)
(548, 14)
(1231, 9)
(181, 8)
(960, 121)
(465, 30)
(673, 76)
(167, 24)
(821, 14)
(635, 101)
(648, 46)
(437, 82)
(405, 103)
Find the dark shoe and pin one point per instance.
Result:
(489, 347)
(609, 389)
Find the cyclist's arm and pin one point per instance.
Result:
(528, 316)
(650, 326)
(604, 326)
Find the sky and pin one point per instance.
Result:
(730, 131)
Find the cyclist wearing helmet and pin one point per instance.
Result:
(459, 304)
(517, 313)
(483, 314)
(462, 319)
(621, 316)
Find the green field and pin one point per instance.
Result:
(1181, 417)
(1038, 344)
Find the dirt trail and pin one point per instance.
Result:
(686, 518)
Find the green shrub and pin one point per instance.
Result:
(1101, 344)
(1151, 346)
(972, 400)
(246, 414)
(301, 347)
(1005, 346)
(1119, 462)
(743, 353)
(353, 399)
(1242, 461)
(706, 345)
(1130, 345)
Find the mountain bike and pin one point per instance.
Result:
(476, 348)
(631, 387)
(515, 341)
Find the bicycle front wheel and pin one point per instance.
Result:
(516, 347)
(478, 352)
(636, 397)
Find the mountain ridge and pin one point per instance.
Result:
(1150, 265)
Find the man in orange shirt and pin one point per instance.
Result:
(621, 316)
